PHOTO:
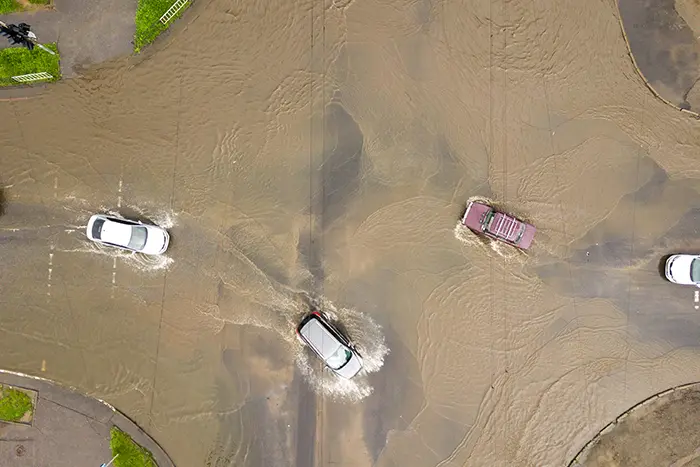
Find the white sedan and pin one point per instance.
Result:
(127, 234)
(683, 269)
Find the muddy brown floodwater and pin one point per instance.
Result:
(323, 151)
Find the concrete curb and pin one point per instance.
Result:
(607, 428)
(99, 410)
(639, 71)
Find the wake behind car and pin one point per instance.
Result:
(683, 269)
(483, 219)
(127, 234)
(329, 344)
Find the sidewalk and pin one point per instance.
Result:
(68, 430)
(87, 31)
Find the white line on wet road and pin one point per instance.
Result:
(114, 274)
(48, 292)
(119, 196)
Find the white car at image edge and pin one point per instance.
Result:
(683, 269)
(127, 234)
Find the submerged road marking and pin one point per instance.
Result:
(119, 195)
(114, 274)
(43, 365)
(697, 299)
(55, 187)
(48, 292)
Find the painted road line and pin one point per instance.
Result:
(48, 292)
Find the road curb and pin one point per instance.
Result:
(101, 411)
(610, 425)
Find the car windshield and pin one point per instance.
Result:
(97, 228)
(339, 358)
(695, 270)
(138, 238)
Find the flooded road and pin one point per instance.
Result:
(324, 151)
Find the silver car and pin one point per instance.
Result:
(331, 346)
(127, 234)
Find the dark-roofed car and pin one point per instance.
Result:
(329, 344)
(127, 234)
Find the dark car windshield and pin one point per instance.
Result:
(339, 358)
(138, 238)
(97, 229)
(695, 270)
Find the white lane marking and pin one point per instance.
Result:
(114, 274)
(55, 187)
(48, 292)
(697, 299)
(119, 195)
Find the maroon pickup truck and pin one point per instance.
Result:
(484, 219)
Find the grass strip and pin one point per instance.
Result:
(40, 2)
(130, 453)
(9, 6)
(17, 61)
(14, 404)
(148, 25)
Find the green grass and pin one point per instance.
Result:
(14, 404)
(20, 61)
(130, 453)
(9, 6)
(148, 25)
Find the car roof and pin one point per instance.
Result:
(115, 232)
(319, 337)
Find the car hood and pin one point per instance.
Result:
(680, 269)
(351, 368)
(157, 241)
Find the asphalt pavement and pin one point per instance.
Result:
(87, 31)
(68, 429)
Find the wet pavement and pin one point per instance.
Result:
(68, 429)
(328, 150)
(87, 31)
(665, 47)
(658, 431)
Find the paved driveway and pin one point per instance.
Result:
(69, 429)
(87, 31)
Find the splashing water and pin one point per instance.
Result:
(365, 334)
(472, 239)
(283, 310)
(138, 261)
(166, 219)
